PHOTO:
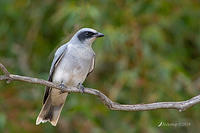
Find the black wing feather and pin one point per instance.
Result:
(55, 62)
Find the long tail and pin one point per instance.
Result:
(51, 111)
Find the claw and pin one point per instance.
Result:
(81, 87)
(62, 86)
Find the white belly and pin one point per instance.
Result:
(69, 78)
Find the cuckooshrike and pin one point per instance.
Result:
(72, 63)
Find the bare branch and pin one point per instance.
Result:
(6, 73)
(181, 106)
(4, 70)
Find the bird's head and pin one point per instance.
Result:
(87, 36)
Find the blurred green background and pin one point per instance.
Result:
(150, 53)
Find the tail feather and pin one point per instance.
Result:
(49, 112)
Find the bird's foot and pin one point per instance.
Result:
(62, 86)
(81, 87)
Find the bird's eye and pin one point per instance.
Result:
(89, 34)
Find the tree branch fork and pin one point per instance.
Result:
(180, 106)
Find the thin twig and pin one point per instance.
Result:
(181, 106)
(5, 71)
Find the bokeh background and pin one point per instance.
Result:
(150, 53)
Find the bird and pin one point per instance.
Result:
(72, 63)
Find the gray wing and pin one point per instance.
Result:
(57, 58)
(92, 65)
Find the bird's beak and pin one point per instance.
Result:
(99, 34)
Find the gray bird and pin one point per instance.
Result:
(72, 63)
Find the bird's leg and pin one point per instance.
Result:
(62, 86)
(81, 87)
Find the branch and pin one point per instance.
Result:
(181, 106)
(5, 71)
